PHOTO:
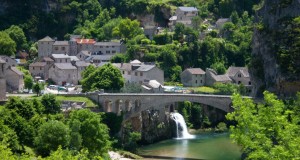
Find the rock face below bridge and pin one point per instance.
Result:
(154, 125)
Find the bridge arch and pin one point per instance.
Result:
(107, 105)
(137, 102)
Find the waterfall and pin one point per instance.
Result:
(181, 128)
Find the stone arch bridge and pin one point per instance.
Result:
(133, 103)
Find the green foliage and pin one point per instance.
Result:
(88, 70)
(127, 29)
(37, 87)
(52, 105)
(288, 47)
(23, 107)
(17, 35)
(28, 82)
(131, 88)
(114, 122)
(8, 46)
(221, 127)
(50, 136)
(105, 77)
(266, 130)
(118, 58)
(9, 137)
(226, 88)
(130, 138)
(219, 67)
(162, 39)
(94, 134)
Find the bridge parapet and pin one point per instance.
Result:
(137, 102)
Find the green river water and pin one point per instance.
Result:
(205, 146)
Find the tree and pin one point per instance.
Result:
(128, 29)
(37, 87)
(28, 82)
(16, 34)
(52, 106)
(219, 67)
(179, 32)
(7, 45)
(268, 130)
(196, 22)
(88, 70)
(51, 135)
(9, 137)
(118, 58)
(106, 77)
(94, 134)
(33, 51)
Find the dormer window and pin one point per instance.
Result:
(239, 75)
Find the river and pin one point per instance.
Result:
(204, 146)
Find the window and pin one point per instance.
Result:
(66, 60)
(239, 82)
(113, 51)
(6, 60)
(141, 73)
(80, 56)
(249, 83)
(56, 48)
(107, 52)
(123, 72)
(112, 46)
(129, 73)
(63, 48)
(200, 81)
(239, 75)
(135, 73)
(60, 61)
(196, 81)
(196, 75)
(101, 47)
(40, 68)
(107, 46)
(32, 68)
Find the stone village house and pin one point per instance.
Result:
(2, 80)
(138, 72)
(195, 77)
(183, 15)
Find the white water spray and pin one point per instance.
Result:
(181, 128)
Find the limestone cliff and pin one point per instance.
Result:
(266, 72)
(154, 125)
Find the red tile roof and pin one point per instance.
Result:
(85, 41)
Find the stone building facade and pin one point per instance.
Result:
(2, 80)
(193, 77)
(62, 73)
(183, 15)
(138, 72)
(15, 80)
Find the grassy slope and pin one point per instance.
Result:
(89, 102)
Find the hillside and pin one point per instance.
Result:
(275, 56)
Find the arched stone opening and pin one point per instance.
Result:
(118, 106)
(128, 106)
(107, 105)
(137, 105)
